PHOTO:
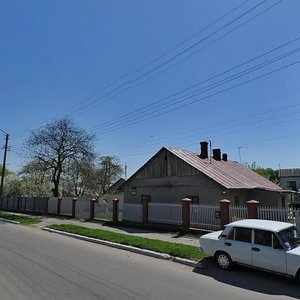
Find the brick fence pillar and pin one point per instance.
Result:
(58, 205)
(115, 210)
(73, 207)
(145, 202)
(186, 219)
(252, 207)
(224, 212)
(92, 208)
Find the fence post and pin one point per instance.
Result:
(73, 207)
(115, 210)
(58, 206)
(252, 207)
(145, 202)
(224, 212)
(92, 209)
(186, 218)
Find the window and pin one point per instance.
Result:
(133, 190)
(266, 238)
(291, 185)
(195, 199)
(241, 234)
(263, 237)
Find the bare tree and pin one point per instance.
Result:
(54, 147)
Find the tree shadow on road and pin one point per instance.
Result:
(251, 279)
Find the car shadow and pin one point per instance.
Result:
(250, 279)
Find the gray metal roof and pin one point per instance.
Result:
(230, 174)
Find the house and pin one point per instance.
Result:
(173, 174)
(290, 180)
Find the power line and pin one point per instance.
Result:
(209, 44)
(288, 120)
(179, 100)
(129, 83)
(149, 106)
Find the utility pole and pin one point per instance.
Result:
(3, 166)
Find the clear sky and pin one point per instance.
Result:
(146, 74)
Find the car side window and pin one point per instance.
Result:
(276, 243)
(263, 237)
(240, 234)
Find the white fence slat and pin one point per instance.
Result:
(165, 213)
(237, 213)
(133, 212)
(204, 216)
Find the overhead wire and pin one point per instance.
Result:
(130, 82)
(146, 108)
(192, 94)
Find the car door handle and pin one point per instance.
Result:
(228, 244)
(255, 249)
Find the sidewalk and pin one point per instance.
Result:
(174, 237)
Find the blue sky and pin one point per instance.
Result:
(113, 66)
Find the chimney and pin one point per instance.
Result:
(204, 150)
(224, 157)
(217, 154)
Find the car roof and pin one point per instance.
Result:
(261, 224)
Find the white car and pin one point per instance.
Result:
(267, 245)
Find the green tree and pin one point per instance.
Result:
(269, 173)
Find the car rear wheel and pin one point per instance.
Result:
(223, 261)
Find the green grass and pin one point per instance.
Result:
(174, 249)
(22, 219)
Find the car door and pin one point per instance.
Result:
(267, 252)
(238, 245)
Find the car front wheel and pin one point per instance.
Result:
(223, 261)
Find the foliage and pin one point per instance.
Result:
(174, 249)
(6, 173)
(26, 186)
(269, 173)
(54, 147)
(108, 171)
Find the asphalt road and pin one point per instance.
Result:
(39, 265)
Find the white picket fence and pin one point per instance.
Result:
(284, 214)
(237, 213)
(204, 216)
(133, 212)
(165, 213)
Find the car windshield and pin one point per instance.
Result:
(290, 237)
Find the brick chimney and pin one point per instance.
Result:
(224, 157)
(204, 150)
(217, 154)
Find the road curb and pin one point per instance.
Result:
(9, 221)
(154, 254)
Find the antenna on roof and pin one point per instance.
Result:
(209, 151)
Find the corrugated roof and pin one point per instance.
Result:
(230, 174)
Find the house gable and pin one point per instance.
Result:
(165, 164)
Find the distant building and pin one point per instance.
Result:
(173, 174)
(290, 180)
